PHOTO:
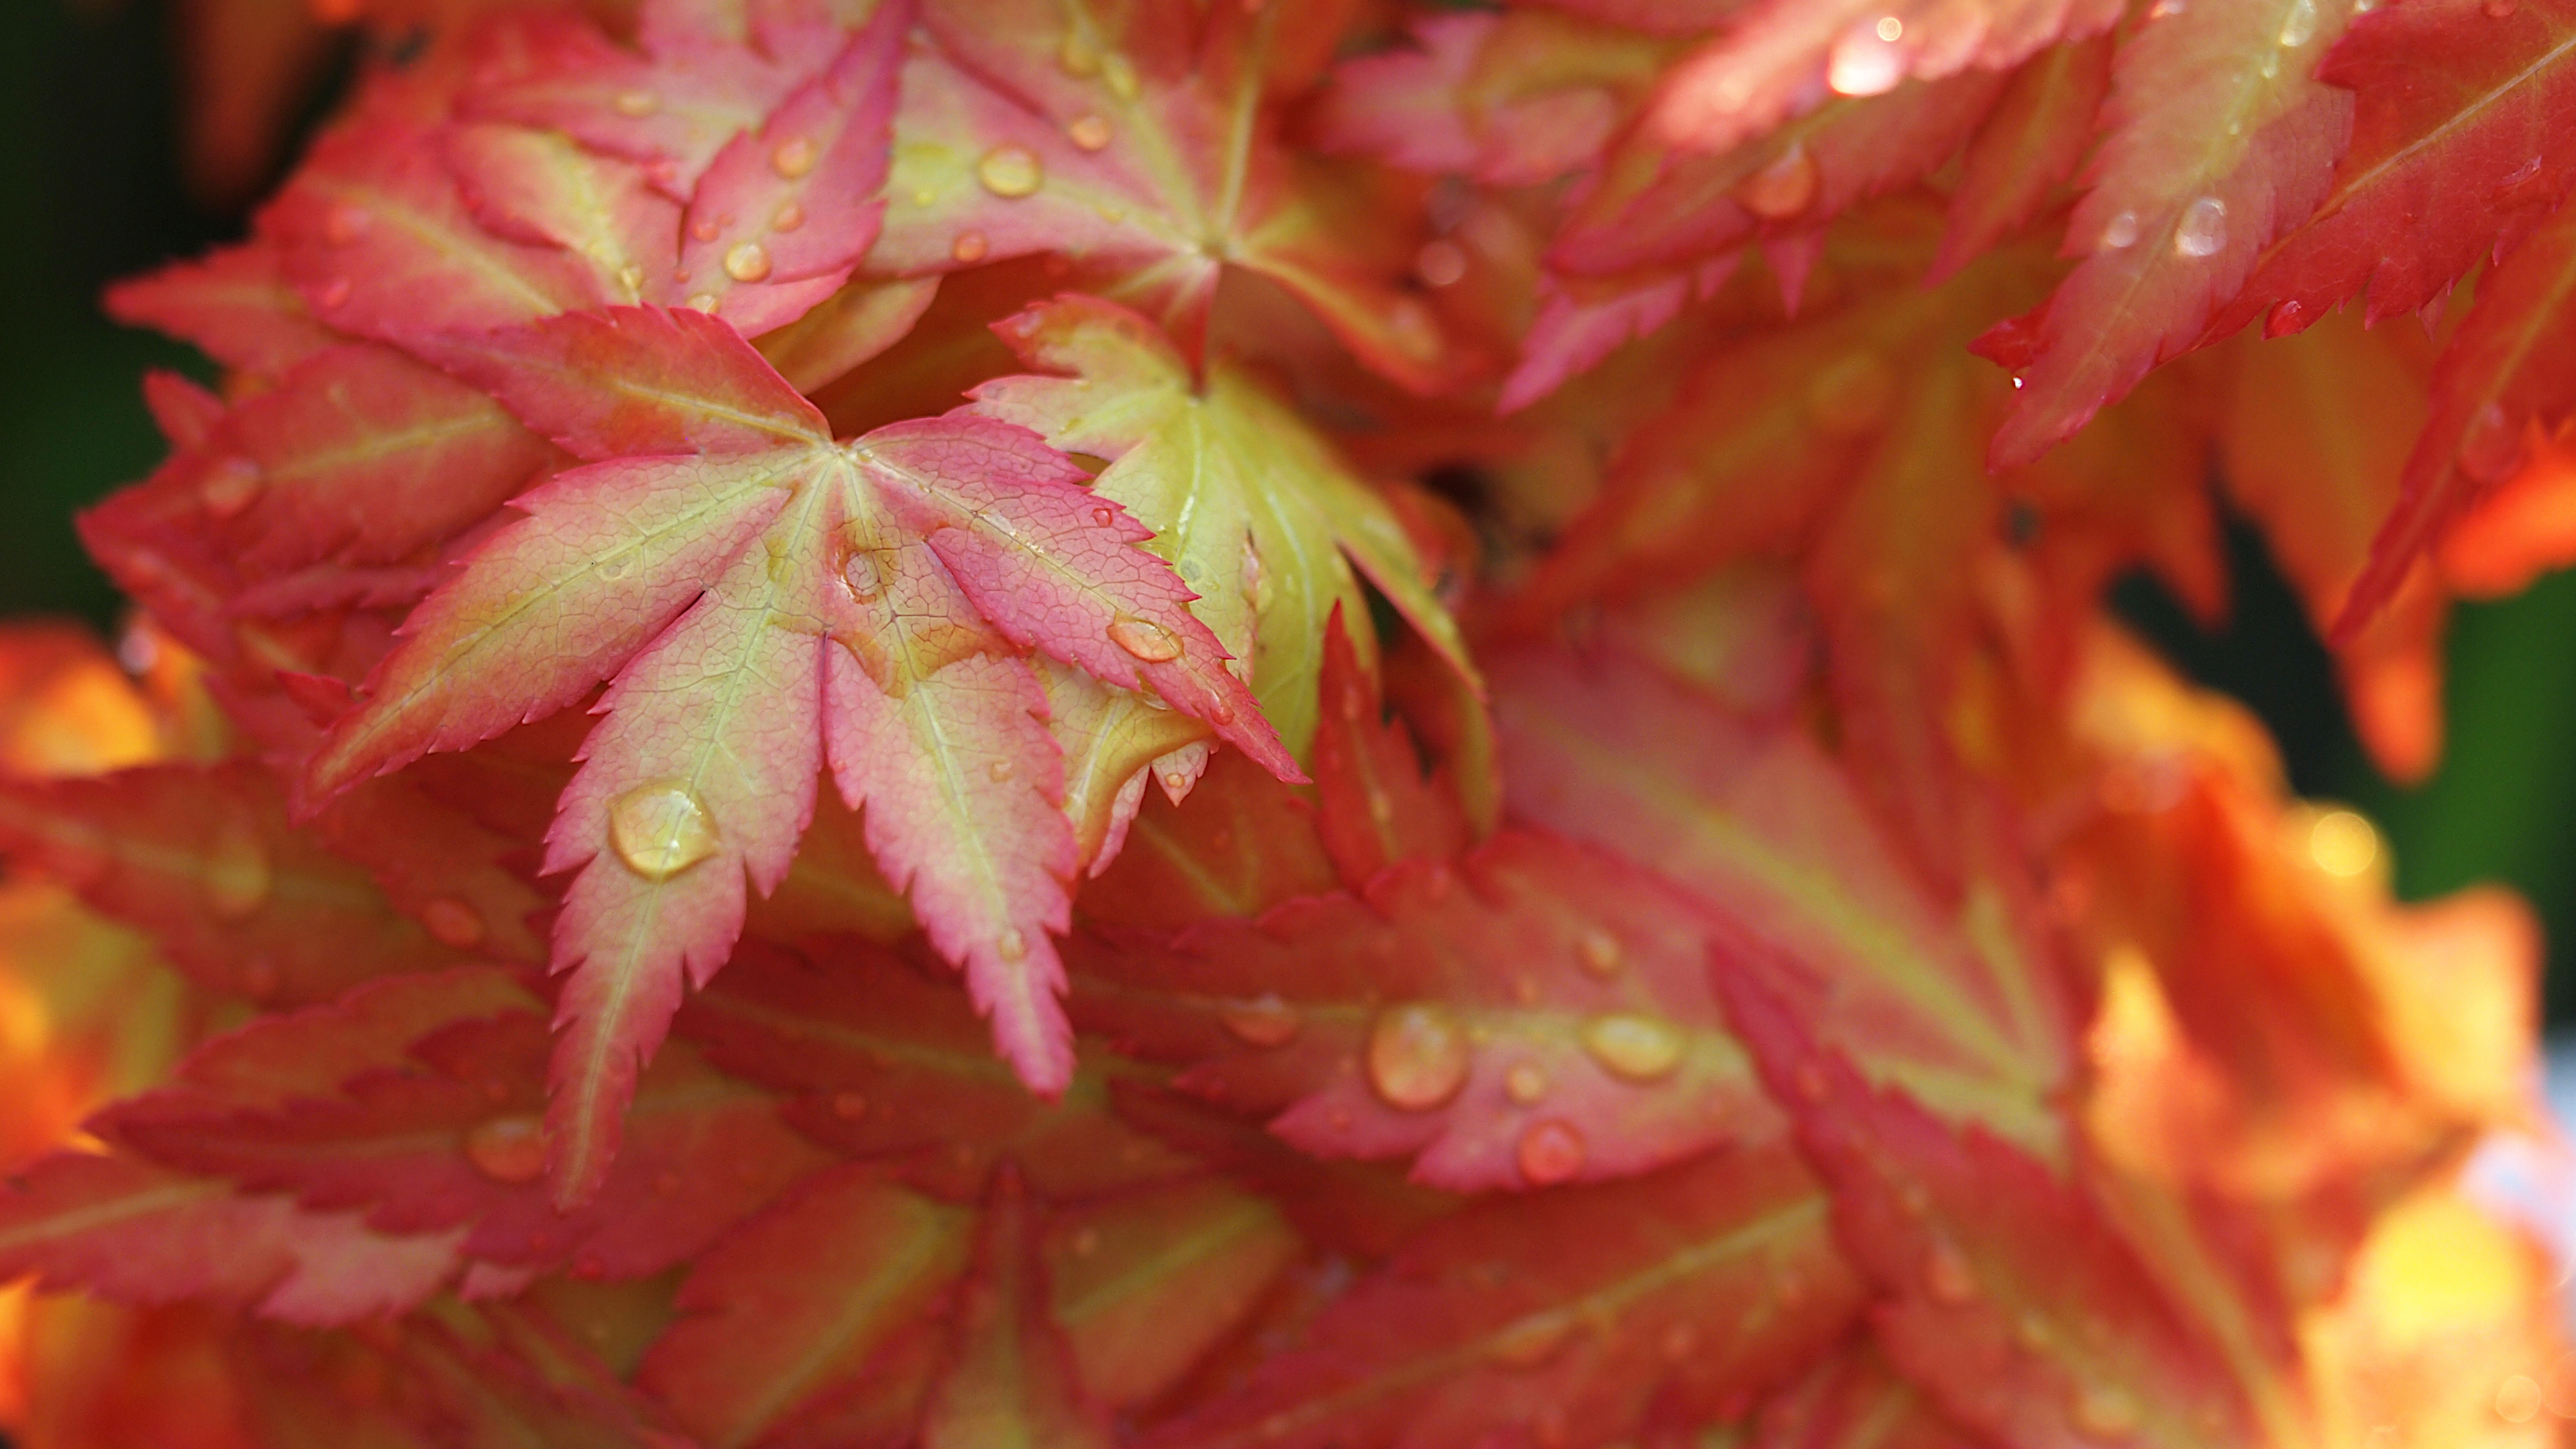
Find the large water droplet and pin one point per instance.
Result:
(1417, 1056)
(2105, 1410)
(1947, 1276)
(1091, 133)
(2203, 231)
(2300, 25)
(794, 157)
(1145, 639)
(660, 829)
(1633, 1048)
(1782, 189)
(229, 487)
(453, 923)
(1264, 1021)
(1525, 1083)
(1864, 63)
(1010, 171)
(510, 1149)
(747, 262)
(2120, 232)
(237, 871)
(1550, 1152)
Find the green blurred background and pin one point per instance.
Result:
(89, 132)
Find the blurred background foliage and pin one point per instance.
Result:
(91, 148)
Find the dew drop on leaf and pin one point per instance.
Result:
(1550, 1152)
(335, 291)
(969, 247)
(2490, 449)
(1633, 1048)
(229, 487)
(702, 302)
(345, 223)
(637, 103)
(787, 218)
(509, 1149)
(1012, 945)
(2120, 232)
(1440, 263)
(1417, 1056)
(1599, 952)
(998, 771)
(1090, 132)
(1263, 1021)
(453, 923)
(660, 829)
(1525, 1083)
(2284, 319)
(1145, 639)
(237, 872)
(1783, 188)
(631, 277)
(1010, 171)
(2203, 232)
(1864, 62)
(2107, 1411)
(1947, 1276)
(747, 262)
(793, 157)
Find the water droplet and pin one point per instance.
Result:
(701, 302)
(794, 157)
(2106, 1411)
(788, 218)
(1264, 1021)
(1783, 188)
(237, 871)
(1633, 1048)
(1851, 394)
(1890, 29)
(998, 771)
(2203, 232)
(2164, 9)
(1599, 952)
(1011, 945)
(2288, 317)
(660, 829)
(509, 1149)
(1863, 63)
(704, 229)
(1103, 516)
(2342, 843)
(229, 486)
(969, 247)
(1947, 1276)
(2300, 25)
(1440, 263)
(2120, 232)
(1530, 1341)
(1145, 639)
(335, 292)
(747, 262)
(631, 277)
(1550, 1152)
(1091, 133)
(636, 103)
(1525, 1083)
(1009, 171)
(345, 223)
(2491, 448)
(453, 923)
(1417, 1056)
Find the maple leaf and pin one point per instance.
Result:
(2032, 140)
(1009, 1376)
(1535, 1014)
(234, 304)
(1465, 1336)
(1853, 1398)
(912, 570)
(1248, 504)
(1135, 140)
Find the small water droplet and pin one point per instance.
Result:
(747, 262)
(1531, 1341)
(1550, 1152)
(636, 103)
(1633, 1048)
(703, 229)
(2203, 231)
(335, 292)
(794, 157)
(1947, 1276)
(1263, 1021)
(345, 223)
(1103, 516)
(1091, 133)
(1417, 1056)
(2492, 447)
(998, 771)
(701, 302)
(660, 829)
(2105, 1410)
(509, 1149)
(230, 486)
(1440, 263)
(1010, 171)
(2165, 9)
(237, 870)
(1599, 952)
(969, 247)
(1783, 188)
(453, 923)
(1525, 1083)
(2120, 232)
(2299, 26)
(1145, 639)
(788, 218)
(2287, 317)
(1863, 63)
(1012, 945)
